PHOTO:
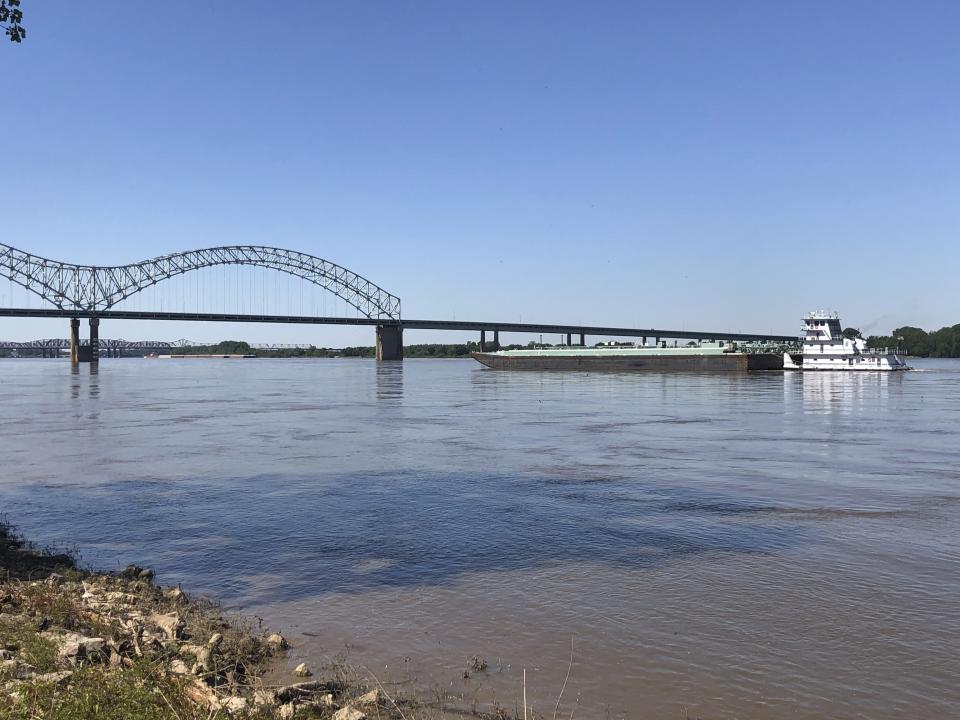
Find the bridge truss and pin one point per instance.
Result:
(103, 343)
(91, 289)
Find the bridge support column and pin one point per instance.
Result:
(483, 341)
(583, 340)
(569, 339)
(94, 340)
(496, 339)
(389, 342)
(75, 341)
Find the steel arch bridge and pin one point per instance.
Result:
(92, 289)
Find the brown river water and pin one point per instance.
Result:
(724, 546)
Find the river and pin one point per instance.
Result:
(728, 546)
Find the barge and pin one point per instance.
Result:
(704, 357)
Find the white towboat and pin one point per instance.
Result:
(825, 348)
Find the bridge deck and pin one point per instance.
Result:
(546, 329)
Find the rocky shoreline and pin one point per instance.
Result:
(77, 643)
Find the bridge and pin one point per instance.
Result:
(99, 293)
(55, 347)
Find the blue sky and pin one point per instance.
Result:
(693, 164)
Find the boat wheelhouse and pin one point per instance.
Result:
(826, 348)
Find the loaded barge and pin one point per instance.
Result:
(704, 357)
(824, 347)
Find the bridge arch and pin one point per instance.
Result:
(91, 288)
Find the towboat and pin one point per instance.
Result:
(825, 348)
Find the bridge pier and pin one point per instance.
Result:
(389, 342)
(583, 340)
(75, 341)
(492, 347)
(569, 339)
(94, 340)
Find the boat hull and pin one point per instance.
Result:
(726, 362)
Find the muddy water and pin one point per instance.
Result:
(770, 546)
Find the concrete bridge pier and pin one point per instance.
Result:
(94, 340)
(75, 341)
(492, 347)
(583, 340)
(84, 353)
(389, 342)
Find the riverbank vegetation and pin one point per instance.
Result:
(82, 645)
(429, 350)
(942, 343)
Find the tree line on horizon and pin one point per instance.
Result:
(427, 350)
(942, 343)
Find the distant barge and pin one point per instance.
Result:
(229, 356)
(705, 357)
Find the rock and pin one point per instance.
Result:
(286, 712)
(75, 648)
(202, 695)
(190, 649)
(131, 572)
(371, 698)
(120, 598)
(146, 574)
(206, 658)
(179, 667)
(277, 641)
(348, 713)
(5, 654)
(57, 678)
(234, 704)
(170, 623)
(302, 670)
(301, 691)
(175, 594)
(264, 697)
(325, 700)
(54, 579)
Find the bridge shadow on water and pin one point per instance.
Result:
(305, 536)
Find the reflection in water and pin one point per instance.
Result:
(390, 380)
(77, 372)
(848, 392)
(766, 546)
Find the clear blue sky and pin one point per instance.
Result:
(677, 164)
